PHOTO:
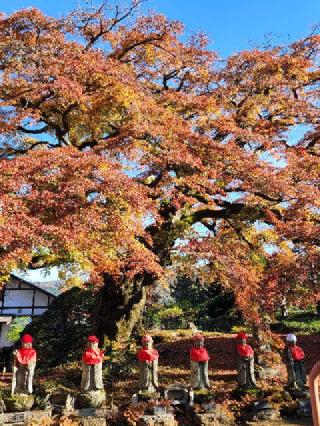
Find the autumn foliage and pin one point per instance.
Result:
(130, 151)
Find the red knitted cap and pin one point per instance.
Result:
(27, 338)
(93, 339)
(242, 336)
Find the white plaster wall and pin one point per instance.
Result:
(41, 299)
(18, 298)
(23, 298)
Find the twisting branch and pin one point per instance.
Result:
(146, 40)
(240, 234)
(15, 151)
(118, 17)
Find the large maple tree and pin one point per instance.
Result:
(134, 153)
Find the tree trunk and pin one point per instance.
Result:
(266, 355)
(120, 307)
(122, 303)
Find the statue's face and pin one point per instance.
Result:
(93, 345)
(26, 345)
(199, 343)
(243, 341)
(147, 345)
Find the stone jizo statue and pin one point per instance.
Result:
(199, 359)
(24, 363)
(295, 361)
(92, 366)
(245, 355)
(148, 365)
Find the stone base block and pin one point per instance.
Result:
(160, 420)
(24, 417)
(12, 418)
(216, 415)
(90, 421)
(92, 416)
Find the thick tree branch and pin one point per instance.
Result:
(239, 233)
(33, 131)
(146, 40)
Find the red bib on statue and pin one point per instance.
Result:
(199, 355)
(92, 357)
(26, 355)
(297, 353)
(244, 350)
(147, 355)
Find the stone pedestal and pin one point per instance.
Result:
(304, 409)
(263, 411)
(145, 397)
(19, 402)
(61, 401)
(297, 393)
(92, 399)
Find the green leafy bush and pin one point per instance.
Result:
(171, 317)
(206, 305)
(302, 323)
(60, 333)
(16, 327)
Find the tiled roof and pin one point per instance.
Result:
(52, 287)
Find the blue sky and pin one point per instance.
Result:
(232, 25)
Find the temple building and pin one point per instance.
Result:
(21, 298)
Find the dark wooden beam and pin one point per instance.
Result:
(33, 299)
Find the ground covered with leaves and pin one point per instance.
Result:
(121, 373)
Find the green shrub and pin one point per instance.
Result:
(16, 327)
(301, 322)
(206, 305)
(171, 317)
(60, 333)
